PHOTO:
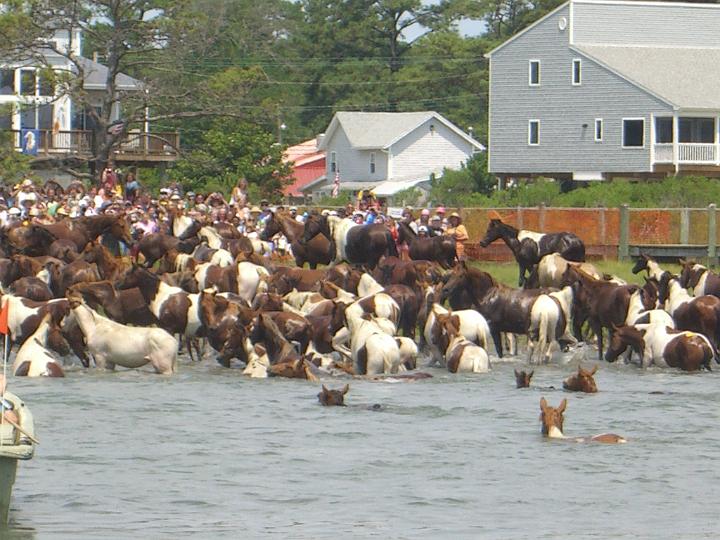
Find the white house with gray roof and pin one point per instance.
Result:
(603, 88)
(389, 152)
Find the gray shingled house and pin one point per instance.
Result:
(601, 88)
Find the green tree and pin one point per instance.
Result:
(229, 151)
(465, 186)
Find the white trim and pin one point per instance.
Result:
(602, 129)
(622, 133)
(653, 136)
(530, 122)
(646, 3)
(532, 61)
(572, 72)
(571, 26)
(527, 29)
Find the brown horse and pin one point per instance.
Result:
(126, 306)
(506, 309)
(319, 250)
(582, 381)
(83, 230)
(551, 421)
(31, 240)
(522, 378)
(699, 314)
(439, 249)
(333, 398)
(109, 266)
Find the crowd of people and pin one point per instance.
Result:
(27, 203)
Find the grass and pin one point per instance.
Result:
(507, 273)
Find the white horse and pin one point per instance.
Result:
(546, 316)
(368, 285)
(211, 236)
(181, 224)
(551, 268)
(112, 343)
(372, 350)
(637, 313)
(34, 359)
(251, 280)
(222, 258)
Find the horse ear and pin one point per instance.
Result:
(517, 373)
(682, 261)
(325, 390)
(531, 374)
(563, 406)
(594, 370)
(455, 319)
(543, 404)
(345, 389)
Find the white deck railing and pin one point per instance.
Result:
(687, 153)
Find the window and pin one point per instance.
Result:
(27, 82)
(664, 129)
(576, 72)
(7, 82)
(333, 162)
(696, 130)
(633, 135)
(46, 85)
(534, 73)
(533, 132)
(598, 130)
(372, 162)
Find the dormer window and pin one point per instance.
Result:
(534, 73)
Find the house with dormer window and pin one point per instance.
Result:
(599, 89)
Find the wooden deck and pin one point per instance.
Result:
(136, 147)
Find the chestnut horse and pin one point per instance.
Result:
(83, 230)
(551, 420)
(529, 247)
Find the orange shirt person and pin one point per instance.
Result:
(458, 230)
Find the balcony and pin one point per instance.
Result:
(135, 147)
(699, 153)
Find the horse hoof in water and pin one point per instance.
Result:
(333, 398)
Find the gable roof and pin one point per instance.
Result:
(95, 76)
(684, 77)
(380, 130)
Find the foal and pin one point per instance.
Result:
(329, 398)
(551, 420)
(582, 381)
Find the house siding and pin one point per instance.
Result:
(562, 109)
(422, 152)
(354, 164)
(669, 25)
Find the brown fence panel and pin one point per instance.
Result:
(654, 226)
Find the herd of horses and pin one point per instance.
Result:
(366, 312)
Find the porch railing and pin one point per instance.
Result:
(135, 145)
(687, 153)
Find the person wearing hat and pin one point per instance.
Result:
(26, 193)
(459, 232)
(423, 231)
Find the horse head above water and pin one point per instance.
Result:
(330, 398)
(582, 381)
(522, 378)
(551, 422)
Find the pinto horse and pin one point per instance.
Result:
(319, 250)
(356, 244)
(440, 249)
(660, 345)
(699, 278)
(506, 309)
(551, 420)
(529, 247)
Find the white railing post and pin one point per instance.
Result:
(676, 140)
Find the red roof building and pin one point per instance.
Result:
(308, 166)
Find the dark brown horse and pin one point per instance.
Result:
(603, 304)
(31, 240)
(83, 230)
(154, 246)
(440, 249)
(126, 306)
(529, 247)
(506, 309)
(699, 314)
(319, 250)
(699, 278)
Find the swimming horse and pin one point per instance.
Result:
(356, 244)
(529, 247)
(552, 420)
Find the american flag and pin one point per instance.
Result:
(336, 185)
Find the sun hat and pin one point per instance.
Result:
(27, 183)
(255, 210)
(455, 214)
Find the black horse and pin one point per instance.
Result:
(356, 244)
(529, 247)
(440, 249)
